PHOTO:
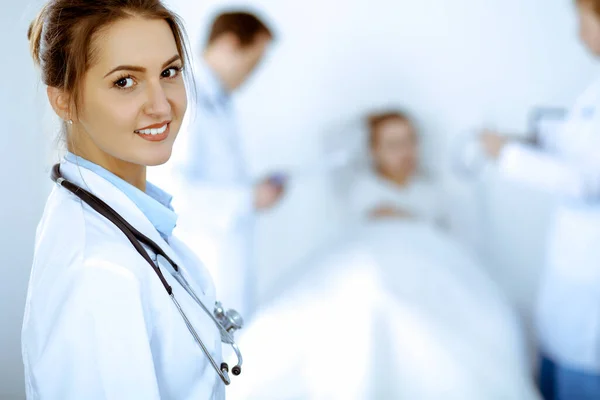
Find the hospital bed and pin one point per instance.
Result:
(396, 310)
(391, 310)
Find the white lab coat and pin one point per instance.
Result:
(213, 192)
(98, 322)
(568, 312)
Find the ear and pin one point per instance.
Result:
(60, 102)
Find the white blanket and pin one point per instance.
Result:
(397, 311)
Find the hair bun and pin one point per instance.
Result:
(30, 30)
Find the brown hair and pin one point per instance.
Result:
(375, 120)
(244, 25)
(61, 35)
(594, 4)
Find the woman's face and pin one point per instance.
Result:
(133, 97)
(395, 149)
(589, 26)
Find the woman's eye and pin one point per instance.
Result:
(170, 72)
(124, 83)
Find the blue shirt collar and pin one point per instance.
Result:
(155, 203)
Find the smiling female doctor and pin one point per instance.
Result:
(568, 312)
(105, 319)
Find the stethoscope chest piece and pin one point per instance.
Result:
(230, 320)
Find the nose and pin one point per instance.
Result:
(157, 104)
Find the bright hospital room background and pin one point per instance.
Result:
(455, 65)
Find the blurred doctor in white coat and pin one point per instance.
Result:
(568, 310)
(214, 192)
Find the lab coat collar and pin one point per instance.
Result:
(154, 203)
(119, 201)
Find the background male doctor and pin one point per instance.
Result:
(214, 194)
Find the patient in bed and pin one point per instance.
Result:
(393, 187)
(393, 310)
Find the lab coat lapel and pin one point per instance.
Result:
(118, 200)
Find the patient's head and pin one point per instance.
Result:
(393, 145)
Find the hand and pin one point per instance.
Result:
(267, 193)
(493, 143)
(389, 212)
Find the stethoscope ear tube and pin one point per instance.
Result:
(223, 374)
(226, 337)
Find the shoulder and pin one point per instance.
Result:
(72, 239)
(61, 230)
(81, 267)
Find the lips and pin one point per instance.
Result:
(154, 133)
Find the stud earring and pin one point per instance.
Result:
(70, 122)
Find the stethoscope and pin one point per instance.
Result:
(228, 321)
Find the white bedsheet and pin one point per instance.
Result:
(396, 311)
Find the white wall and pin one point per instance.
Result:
(23, 186)
(454, 64)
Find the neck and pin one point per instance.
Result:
(135, 177)
(134, 174)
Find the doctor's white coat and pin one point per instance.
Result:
(568, 314)
(98, 322)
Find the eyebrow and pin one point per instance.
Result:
(141, 69)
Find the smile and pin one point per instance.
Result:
(154, 133)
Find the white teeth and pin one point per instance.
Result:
(153, 131)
